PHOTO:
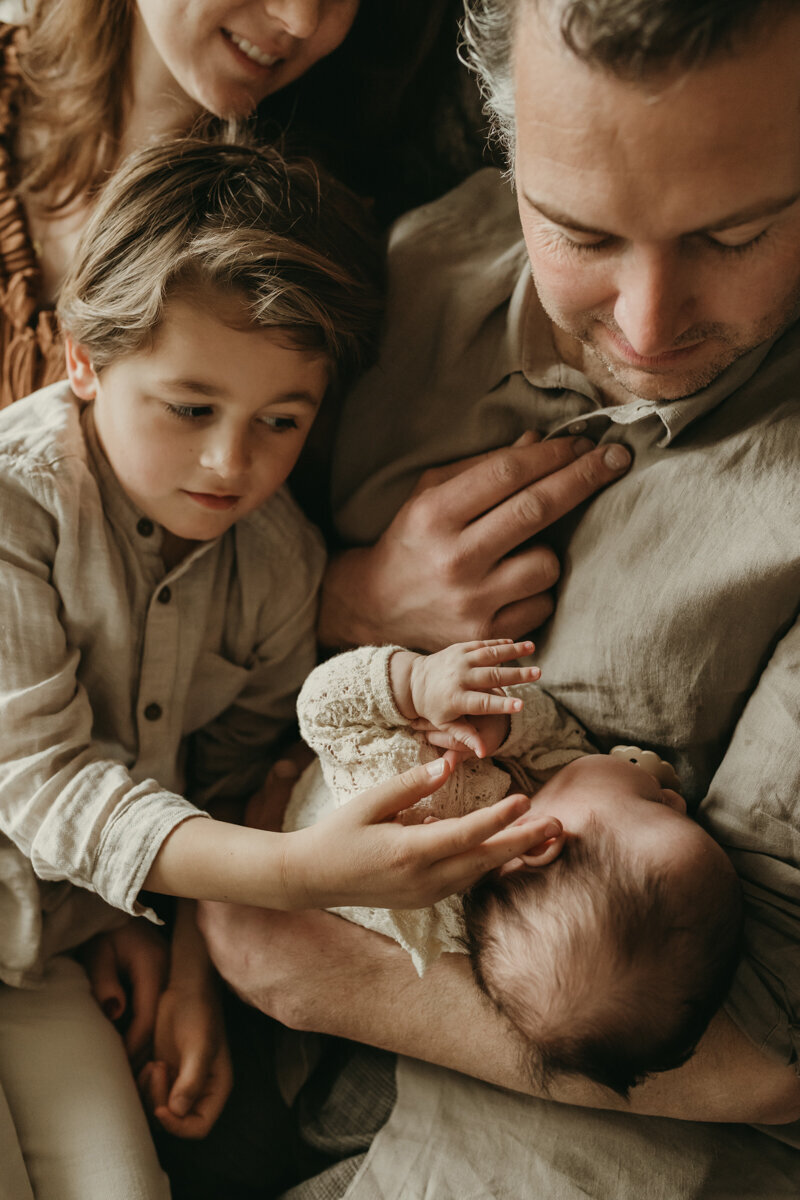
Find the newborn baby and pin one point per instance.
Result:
(611, 945)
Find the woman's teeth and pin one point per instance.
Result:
(258, 56)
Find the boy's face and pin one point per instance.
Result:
(205, 425)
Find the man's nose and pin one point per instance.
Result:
(300, 18)
(653, 305)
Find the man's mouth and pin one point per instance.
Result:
(251, 50)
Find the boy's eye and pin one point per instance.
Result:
(190, 411)
(279, 424)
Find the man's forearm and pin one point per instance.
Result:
(317, 972)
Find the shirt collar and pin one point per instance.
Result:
(528, 347)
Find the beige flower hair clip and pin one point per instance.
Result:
(662, 771)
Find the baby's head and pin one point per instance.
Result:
(612, 959)
(218, 293)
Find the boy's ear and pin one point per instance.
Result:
(82, 377)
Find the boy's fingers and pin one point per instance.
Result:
(190, 1082)
(454, 836)
(146, 992)
(153, 1084)
(101, 966)
(387, 799)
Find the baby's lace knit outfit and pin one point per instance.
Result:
(349, 719)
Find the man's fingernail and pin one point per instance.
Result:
(582, 446)
(616, 457)
(284, 768)
(436, 768)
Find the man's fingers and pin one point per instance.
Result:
(535, 507)
(500, 475)
(437, 475)
(387, 799)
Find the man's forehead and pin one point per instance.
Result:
(697, 146)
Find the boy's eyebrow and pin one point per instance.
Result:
(765, 208)
(199, 387)
(300, 397)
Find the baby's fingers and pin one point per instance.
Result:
(502, 650)
(483, 679)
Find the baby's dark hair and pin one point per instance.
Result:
(608, 968)
(198, 214)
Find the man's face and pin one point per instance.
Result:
(662, 219)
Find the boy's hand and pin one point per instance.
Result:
(463, 680)
(360, 856)
(190, 1078)
(127, 971)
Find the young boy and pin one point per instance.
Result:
(156, 619)
(612, 946)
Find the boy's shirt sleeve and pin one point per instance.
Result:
(75, 814)
(751, 809)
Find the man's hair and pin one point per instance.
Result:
(628, 38)
(608, 968)
(194, 215)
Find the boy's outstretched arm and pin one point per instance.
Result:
(356, 856)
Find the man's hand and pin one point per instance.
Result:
(186, 1084)
(360, 856)
(437, 692)
(127, 971)
(453, 565)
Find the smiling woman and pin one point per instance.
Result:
(365, 86)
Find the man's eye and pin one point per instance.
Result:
(739, 247)
(189, 411)
(280, 424)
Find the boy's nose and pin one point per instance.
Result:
(227, 456)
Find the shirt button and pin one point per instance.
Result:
(164, 596)
(144, 526)
(577, 427)
(152, 712)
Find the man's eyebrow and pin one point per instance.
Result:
(764, 208)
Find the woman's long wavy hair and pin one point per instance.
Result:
(373, 111)
(74, 66)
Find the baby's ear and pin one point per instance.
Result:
(82, 376)
(539, 856)
(673, 800)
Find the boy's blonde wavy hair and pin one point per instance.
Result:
(196, 215)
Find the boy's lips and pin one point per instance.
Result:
(212, 499)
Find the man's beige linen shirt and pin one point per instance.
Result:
(676, 619)
(122, 686)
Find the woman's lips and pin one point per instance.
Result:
(211, 500)
(254, 55)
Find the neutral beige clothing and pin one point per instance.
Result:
(675, 629)
(122, 685)
(72, 1126)
(348, 717)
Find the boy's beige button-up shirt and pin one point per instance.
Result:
(676, 622)
(122, 686)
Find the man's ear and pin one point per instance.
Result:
(82, 376)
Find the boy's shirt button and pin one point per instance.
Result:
(152, 712)
(145, 527)
(164, 596)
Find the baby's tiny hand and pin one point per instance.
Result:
(465, 680)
